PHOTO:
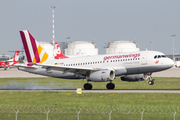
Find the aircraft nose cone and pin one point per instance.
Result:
(171, 63)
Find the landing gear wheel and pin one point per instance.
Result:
(110, 86)
(87, 86)
(151, 82)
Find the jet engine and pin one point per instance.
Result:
(135, 77)
(101, 76)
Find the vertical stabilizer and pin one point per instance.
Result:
(34, 52)
(58, 52)
(16, 55)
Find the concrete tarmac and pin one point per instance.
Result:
(14, 72)
(105, 91)
(172, 72)
(131, 91)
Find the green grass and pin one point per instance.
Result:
(87, 99)
(160, 83)
(70, 99)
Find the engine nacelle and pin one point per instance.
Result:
(102, 76)
(135, 77)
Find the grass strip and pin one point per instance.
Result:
(55, 83)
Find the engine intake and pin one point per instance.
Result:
(102, 76)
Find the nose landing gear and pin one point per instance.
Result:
(151, 82)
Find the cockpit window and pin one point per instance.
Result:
(163, 56)
(159, 56)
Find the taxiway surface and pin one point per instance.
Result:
(106, 91)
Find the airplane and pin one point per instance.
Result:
(8, 63)
(58, 52)
(131, 66)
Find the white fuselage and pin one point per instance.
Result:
(123, 64)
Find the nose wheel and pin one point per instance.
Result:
(151, 82)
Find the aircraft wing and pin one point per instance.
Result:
(26, 66)
(73, 69)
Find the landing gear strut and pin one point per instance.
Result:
(110, 86)
(151, 82)
(88, 86)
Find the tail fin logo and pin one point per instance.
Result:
(16, 56)
(58, 52)
(42, 55)
(57, 48)
(34, 52)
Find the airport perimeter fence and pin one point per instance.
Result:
(21, 112)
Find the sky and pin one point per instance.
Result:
(100, 21)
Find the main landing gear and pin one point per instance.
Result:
(151, 82)
(109, 86)
(88, 86)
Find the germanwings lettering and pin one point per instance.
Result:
(121, 56)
